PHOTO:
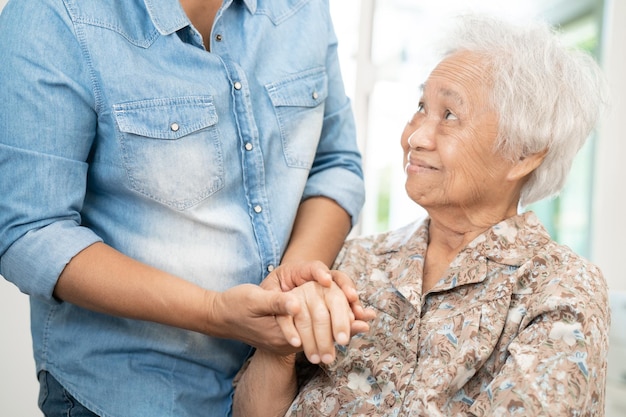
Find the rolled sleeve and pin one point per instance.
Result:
(346, 188)
(35, 261)
(47, 125)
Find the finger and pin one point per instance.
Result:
(322, 329)
(304, 326)
(271, 282)
(321, 274)
(298, 274)
(349, 289)
(346, 284)
(360, 313)
(340, 314)
(273, 303)
(359, 326)
(369, 314)
(289, 330)
(362, 325)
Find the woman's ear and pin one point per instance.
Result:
(526, 164)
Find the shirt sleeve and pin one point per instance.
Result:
(557, 363)
(336, 172)
(48, 121)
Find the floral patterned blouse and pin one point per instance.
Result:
(517, 326)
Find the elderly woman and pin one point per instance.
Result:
(478, 311)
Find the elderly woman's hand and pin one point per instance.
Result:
(329, 312)
(289, 276)
(325, 317)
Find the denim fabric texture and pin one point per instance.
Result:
(55, 401)
(117, 125)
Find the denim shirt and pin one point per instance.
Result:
(117, 125)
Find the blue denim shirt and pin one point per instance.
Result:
(117, 125)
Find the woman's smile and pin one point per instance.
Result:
(417, 165)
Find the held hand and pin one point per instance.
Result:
(248, 313)
(349, 289)
(325, 318)
(291, 275)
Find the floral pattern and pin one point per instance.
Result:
(517, 326)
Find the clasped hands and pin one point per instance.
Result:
(298, 307)
(328, 310)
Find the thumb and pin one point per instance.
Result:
(278, 303)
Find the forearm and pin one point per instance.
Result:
(102, 279)
(267, 387)
(319, 231)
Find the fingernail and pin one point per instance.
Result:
(327, 358)
(314, 358)
(342, 338)
(295, 342)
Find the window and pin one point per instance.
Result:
(386, 52)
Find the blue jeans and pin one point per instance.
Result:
(55, 401)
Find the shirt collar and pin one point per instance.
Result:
(251, 5)
(510, 242)
(168, 16)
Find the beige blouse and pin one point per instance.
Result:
(517, 326)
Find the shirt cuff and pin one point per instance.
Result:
(341, 185)
(35, 261)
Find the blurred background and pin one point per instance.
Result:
(386, 51)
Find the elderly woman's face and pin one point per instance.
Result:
(449, 143)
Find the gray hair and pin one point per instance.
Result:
(548, 96)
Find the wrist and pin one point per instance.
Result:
(276, 360)
(211, 317)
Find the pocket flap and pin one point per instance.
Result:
(166, 118)
(305, 89)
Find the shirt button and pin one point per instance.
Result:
(237, 85)
(315, 95)
(270, 268)
(248, 146)
(218, 37)
(257, 209)
(174, 127)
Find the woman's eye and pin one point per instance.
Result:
(418, 113)
(448, 115)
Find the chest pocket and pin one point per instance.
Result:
(171, 149)
(298, 104)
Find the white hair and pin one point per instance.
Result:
(548, 96)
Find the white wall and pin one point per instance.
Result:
(18, 382)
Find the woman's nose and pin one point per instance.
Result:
(422, 137)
